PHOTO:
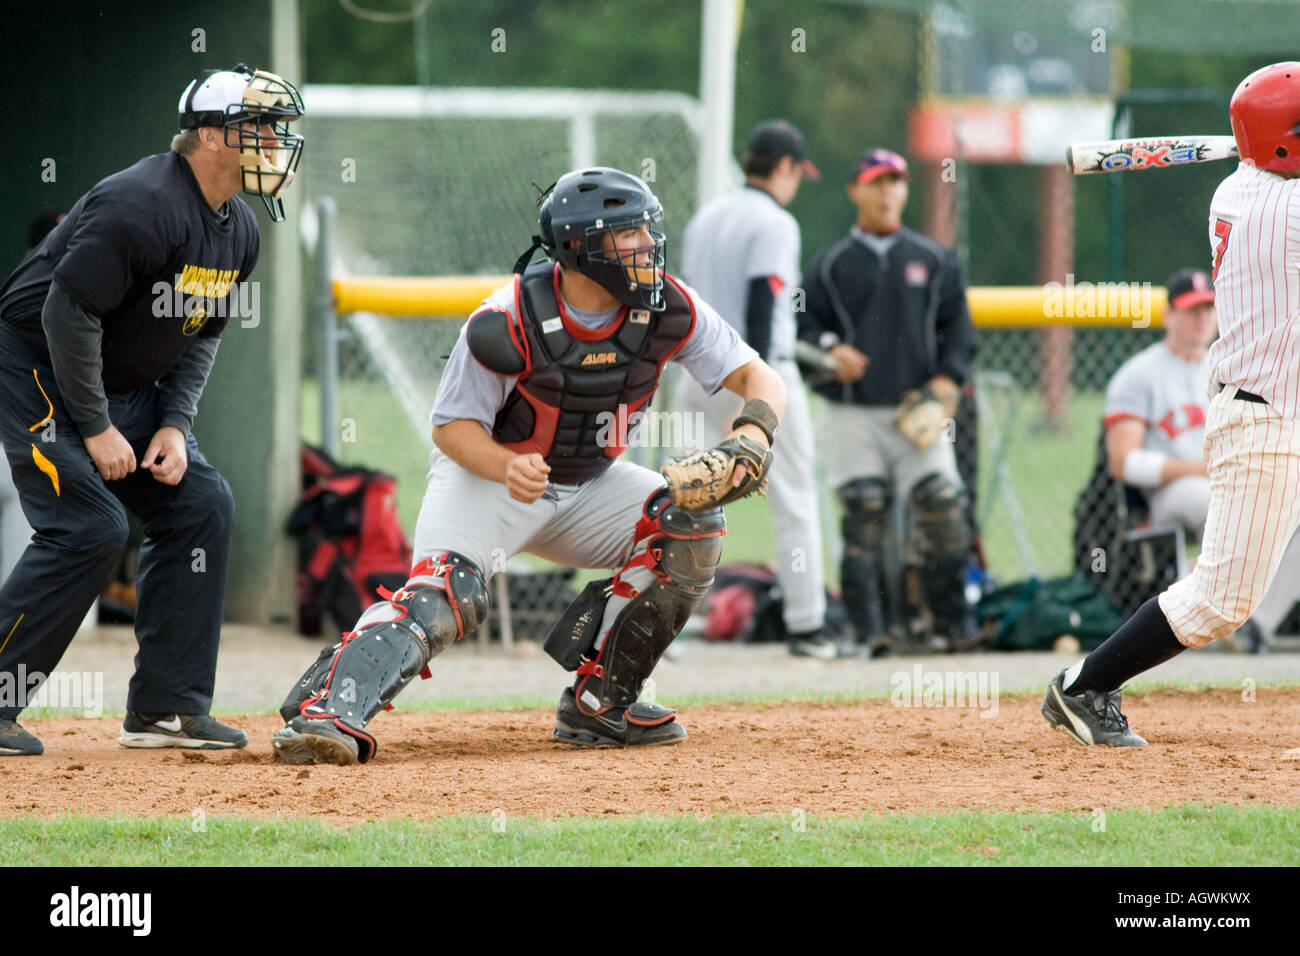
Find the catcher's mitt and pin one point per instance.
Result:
(921, 417)
(702, 479)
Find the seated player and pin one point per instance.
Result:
(529, 421)
(1155, 431)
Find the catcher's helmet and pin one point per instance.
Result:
(1265, 115)
(254, 108)
(584, 205)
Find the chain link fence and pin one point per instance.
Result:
(1035, 457)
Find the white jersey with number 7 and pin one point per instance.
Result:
(1255, 240)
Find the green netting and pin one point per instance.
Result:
(1262, 27)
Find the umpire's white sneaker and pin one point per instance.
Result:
(192, 731)
(1092, 718)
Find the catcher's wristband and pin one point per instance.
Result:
(757, 412)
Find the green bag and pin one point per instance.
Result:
(1032, 614)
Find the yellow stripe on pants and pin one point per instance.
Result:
(47, 466)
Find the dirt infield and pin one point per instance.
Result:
(1208, 747)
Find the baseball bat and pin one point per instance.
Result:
(1147, 152)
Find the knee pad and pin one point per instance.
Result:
(682, 552)
(938, 506)
(939, 510)
(865, 505)
(349, 683)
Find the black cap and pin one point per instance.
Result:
(778, 139)
(1189, 287)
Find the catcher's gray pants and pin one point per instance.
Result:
(580, 526)
(790, 488)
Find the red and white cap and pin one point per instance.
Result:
(1189, 287)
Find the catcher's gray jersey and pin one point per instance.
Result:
(469, 391)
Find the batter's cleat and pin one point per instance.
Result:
(1093, 718)
(304, 741)
(16, 742)
(192, 731)
(641, 725)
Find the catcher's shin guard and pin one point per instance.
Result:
(865, 504)
(444, 600)
(938, 509)
(682, 551)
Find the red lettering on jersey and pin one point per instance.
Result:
(1195, 415)
(1221, 229)
(1168, 426)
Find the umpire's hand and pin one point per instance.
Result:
(165, 456)
(111, 453)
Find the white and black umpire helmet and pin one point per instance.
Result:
(245, 102)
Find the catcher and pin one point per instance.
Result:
(526, 460)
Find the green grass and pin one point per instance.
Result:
(1180, 836)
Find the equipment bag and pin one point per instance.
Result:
(350, 542)
(1032, 614)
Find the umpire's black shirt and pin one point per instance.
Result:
(906, 310)
(144, 254)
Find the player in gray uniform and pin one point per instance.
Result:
(741, 251)
(531, 414)
(1155, 432)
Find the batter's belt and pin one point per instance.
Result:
(1246, 396)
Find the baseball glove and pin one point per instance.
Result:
(702, 479)
(920, 417)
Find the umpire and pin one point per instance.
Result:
(107, 334)
(889, 307)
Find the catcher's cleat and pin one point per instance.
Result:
(640, 725)
(17, 742)
(1092, 718)
(191, 731)
(304, 741)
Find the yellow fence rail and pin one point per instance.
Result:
(1083, 304)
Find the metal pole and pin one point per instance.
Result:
(717, 92)
(327, 370)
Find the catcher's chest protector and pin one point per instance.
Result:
(579, 387)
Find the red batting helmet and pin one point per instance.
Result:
(1265, 115)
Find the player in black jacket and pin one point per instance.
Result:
(108, 331)
(889, 308)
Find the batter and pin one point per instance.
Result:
(1252, 442)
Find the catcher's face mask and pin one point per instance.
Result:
(627, 258)
(254, 108)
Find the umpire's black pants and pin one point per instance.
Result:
(80, 533)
